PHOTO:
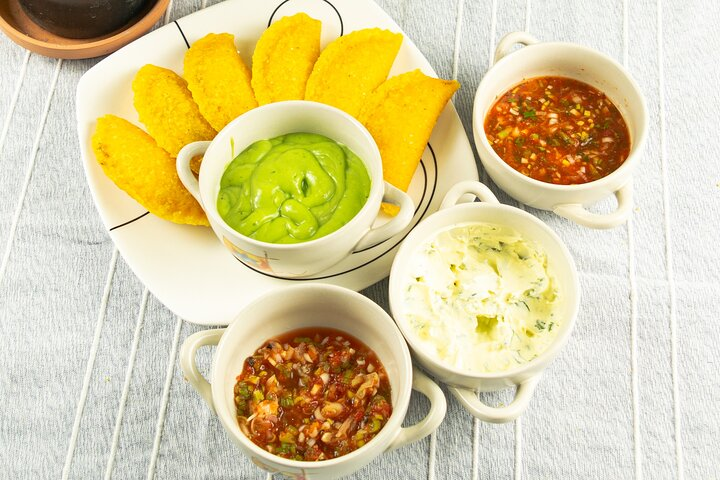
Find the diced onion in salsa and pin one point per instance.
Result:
(312, 394)
(558, 130)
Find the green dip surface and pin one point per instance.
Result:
(292, 188)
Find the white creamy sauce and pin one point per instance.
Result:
(479, 297)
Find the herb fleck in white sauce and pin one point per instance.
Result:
(479, 297)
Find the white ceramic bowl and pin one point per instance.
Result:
(538, 59)
(463, 383)
(313, 305)
(272, 120)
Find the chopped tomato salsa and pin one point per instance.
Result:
(312, 394)
(558, 130)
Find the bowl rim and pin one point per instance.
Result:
(376, 187)
(90, 47)
(637, 144)
(405, 254)
(391, 427)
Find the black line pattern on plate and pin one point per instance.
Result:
(187, 44)
(432, 195)
(129, 222)
(342, 26)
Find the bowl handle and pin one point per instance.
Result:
(394, 196)
(470, 186)
(477, 408)
(578, 214)
(182, 165)
(509, 40)
(435, 416)
(187, 361)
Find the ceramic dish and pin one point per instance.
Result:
(538, 59)
(463, 382)
(185, 267)
(302, 306)
(18, 26)
(272, 120)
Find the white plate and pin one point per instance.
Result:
(186, 267)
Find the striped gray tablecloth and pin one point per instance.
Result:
(90, 383)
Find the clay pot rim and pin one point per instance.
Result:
(81, 48)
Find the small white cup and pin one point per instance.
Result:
(313, 305)
(272, 120)
(539, 59)
(463, 383)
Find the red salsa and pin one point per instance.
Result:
(558, 130)
(312, 394)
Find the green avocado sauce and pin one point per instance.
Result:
(292, 188)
